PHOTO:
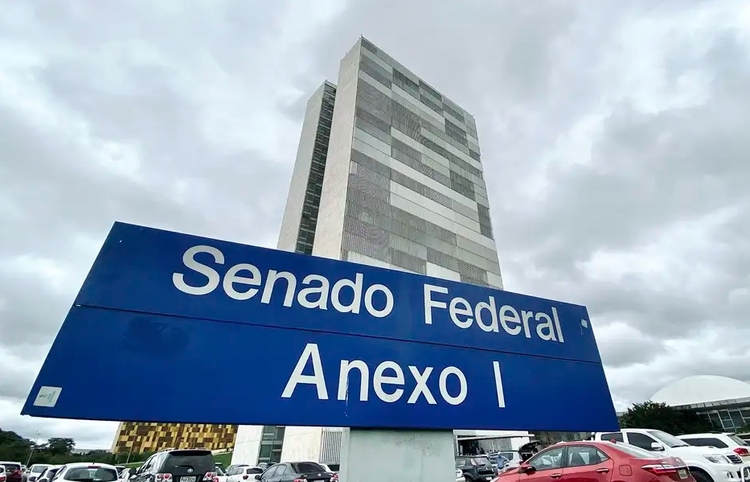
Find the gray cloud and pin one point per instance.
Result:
(605, 141)
(612, 137)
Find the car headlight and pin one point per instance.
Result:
(716, 458)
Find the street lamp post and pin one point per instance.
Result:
(31, 452)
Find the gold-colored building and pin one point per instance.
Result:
(138, 437)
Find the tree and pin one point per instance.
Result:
(13, 446)
(57, 451)
(60, 446)
(660, 416)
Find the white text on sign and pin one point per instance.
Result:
(244, 281)
(388, 381)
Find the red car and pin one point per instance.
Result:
(598, 462)
(12, 471)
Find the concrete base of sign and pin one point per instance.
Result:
(416, 456)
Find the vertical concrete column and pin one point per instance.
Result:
(398, 455)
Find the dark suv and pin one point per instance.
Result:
(476, 468)
(190, 465)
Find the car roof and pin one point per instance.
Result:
(707, 434)
(639, 429)
(195, 451)
(595, 443)
(89, 464)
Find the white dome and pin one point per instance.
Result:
(701, 389)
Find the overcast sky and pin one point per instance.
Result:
(614, 138)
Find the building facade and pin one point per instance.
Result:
(388, 173)
(723, 401)
(136, 437)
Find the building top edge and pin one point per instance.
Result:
(402, 66)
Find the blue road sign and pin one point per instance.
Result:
(165, 319)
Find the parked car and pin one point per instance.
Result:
(326, 467)
(460, 475)
(86, 472)
(49, 474)
(220, 476)
(476, 468)
(3, 477)
(242, 473)
(34, 472)
(526, 451)
(514, 458)
(13, 471)
(230, 470)
(720, 441)
(289, 471)
(705, 464)
(125, 474)
(186, 465)
(598, 461)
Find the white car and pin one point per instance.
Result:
(720, 441)
(220, 476)
(243, 473)
(126, 473)
(35, 471)
(49, 474)
(705, 464)
(87, 472)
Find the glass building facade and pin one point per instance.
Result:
(725, 415)
(311, 204)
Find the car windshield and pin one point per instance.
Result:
(307, 467)
(12, 467)
(737, 440)
(667, 439)
(91, 474)
(38, 469)
(480, 461)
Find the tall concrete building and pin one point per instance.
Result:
(388, 173)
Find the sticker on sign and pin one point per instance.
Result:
(47, 396)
